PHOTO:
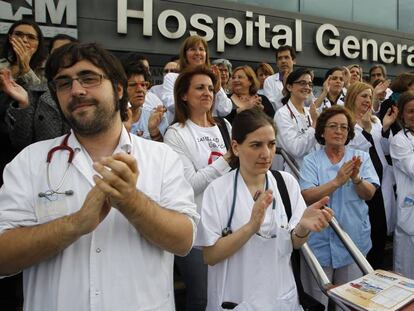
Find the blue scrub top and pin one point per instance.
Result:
(350, 210)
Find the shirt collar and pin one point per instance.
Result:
(124, 144)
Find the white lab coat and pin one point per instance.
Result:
(382, 147)
(272, 88)
(222, 104)
(402, 153)
(295, 134)
(113, 267)
(259, 275)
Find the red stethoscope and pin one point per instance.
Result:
(52, 191)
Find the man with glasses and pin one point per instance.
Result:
(94, 217)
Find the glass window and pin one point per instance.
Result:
(336, 9)
(377, 13)
(405, 14)
(282, 5)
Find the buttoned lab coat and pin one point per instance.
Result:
(259, 275)
(402, 154)
(113, 267)
(295, 134)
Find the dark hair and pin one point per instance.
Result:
(403, 99)
(174, 58)
(188, 43)
(133, 58)
(137, 69)
(58, 37)
(331, 71)
(69, 54)
(323, 120)
(380, 66)
(286, 48)
(37, 58)
(293, 77)
(181, 86)
(244, 123)
(402, 82)
(251, 76)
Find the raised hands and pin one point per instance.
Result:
(389, 117)
(155, 120)
(349, 170)
(24, 54)
(316, 217)
(263, 201)
(216, 72)
(347, 76)
(13, 89)
(118, 179)
(314, 114)
(94, 210)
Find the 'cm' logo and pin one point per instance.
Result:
(15, 10)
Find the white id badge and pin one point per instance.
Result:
(47, 210)
(408, 201)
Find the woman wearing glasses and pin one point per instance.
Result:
(372, 137)
(295, 122)
(402, 153)
(24, 52)
(245, 233)
(348, 177)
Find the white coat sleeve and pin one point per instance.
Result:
(168, 91)
(272, 92)
(17, 193)
(294, 142)
(222, 104)
(176, 193)
(199, 179)
(402, 154)
(210, 225)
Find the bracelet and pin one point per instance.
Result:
(358, 182)
(301, 236)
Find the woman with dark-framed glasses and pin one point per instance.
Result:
(24, 52)
(348, 177)
(245, 233)
(295, 122)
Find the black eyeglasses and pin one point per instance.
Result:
(86, 80)
(29, 36)
(304, 83)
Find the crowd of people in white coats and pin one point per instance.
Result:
(105, 177)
